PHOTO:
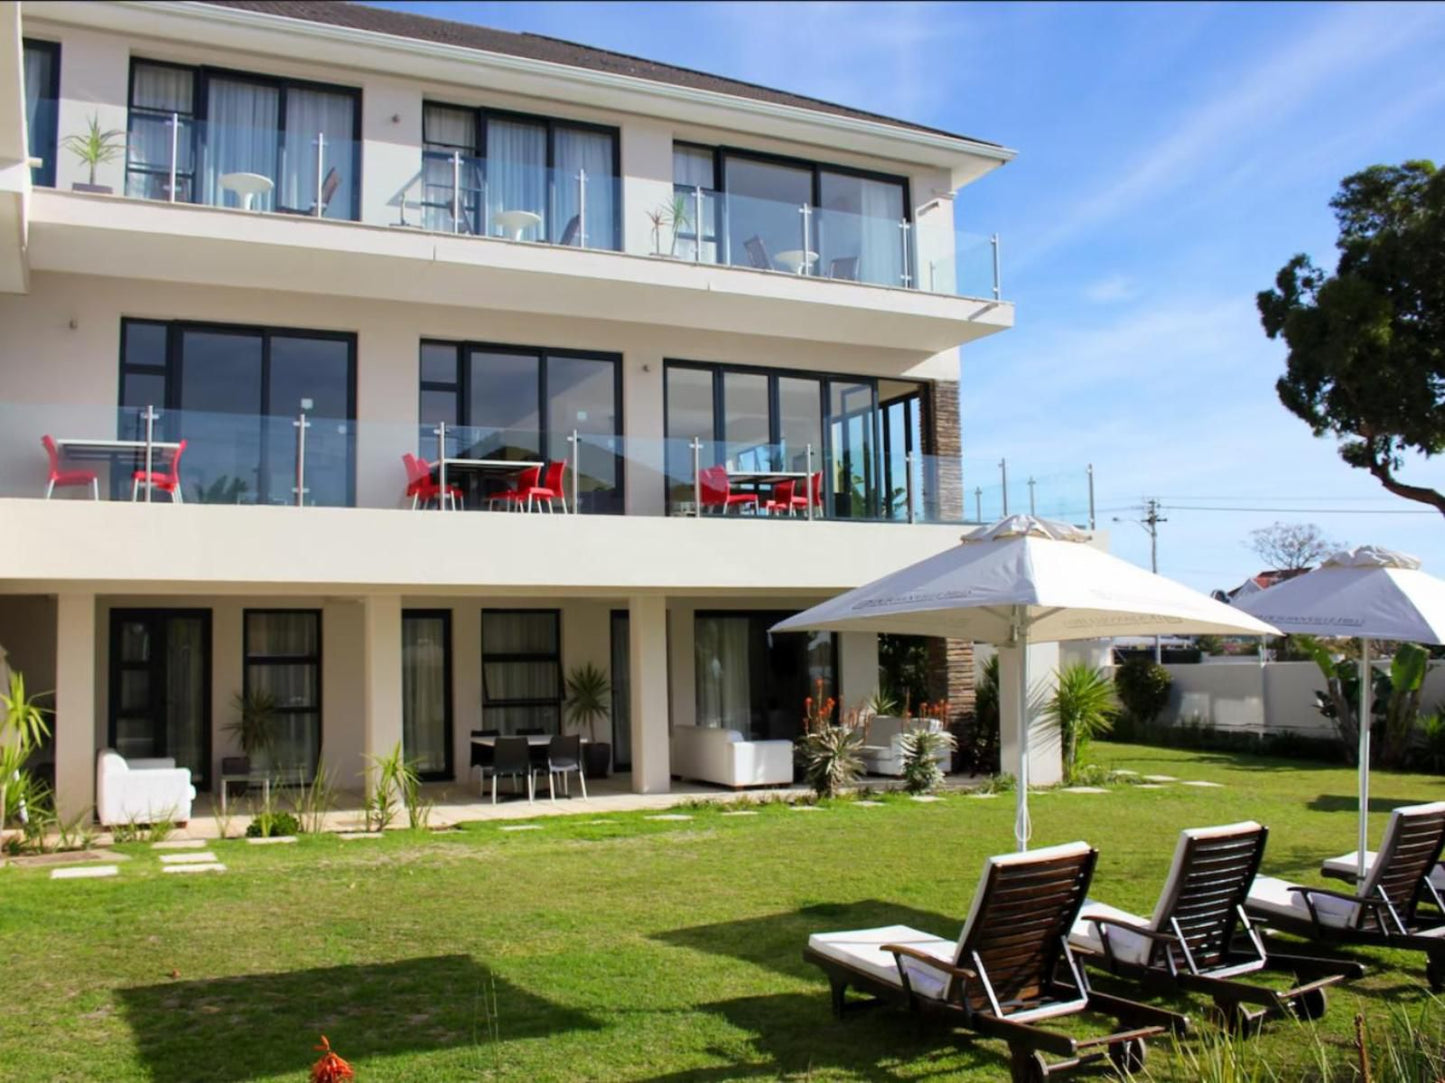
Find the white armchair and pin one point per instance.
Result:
(141, 791)
(712, 754)
(883, 754)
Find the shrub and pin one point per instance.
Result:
(1084, 706)
(829, 749)
(270, 824)
(1143, 687)
(978, 737)
(921, 747)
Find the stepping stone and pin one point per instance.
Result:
(1160, 778)
(607, 821)
(1201, 782)
(180, 844)
(84, 872)
(1124, 771)
(522, 827)
(1150, 786)
(209, 866)
(805, 808)
(1084, 789)
(740, 812)
(187, 859)
(270, 840)
(925, 797)
(868, 804)
(983, 796)
(668, 816)
(349, 835)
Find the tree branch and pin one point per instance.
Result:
(1419, 493)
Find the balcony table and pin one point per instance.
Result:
(85, 447)
(534, 740)
(796, 260)
(757, 479)
(515, 223)
(247, 186)
(503, 469)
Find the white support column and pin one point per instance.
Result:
(857, 669)
(381, 667)
(1045, 762)
(647, 643)
(74, 720)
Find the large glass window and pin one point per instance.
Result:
(522, 670)
(283, 665)
(769, 215)
(524, 404)
(690, 398)
(852, 459)
(754, 681)
(213, 127)
(426, 691)
(523, 177)
(42, 93)
(233, 393)
(862, 234)
(695, 200)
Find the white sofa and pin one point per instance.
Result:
(883, 752)
(713, 754)
(141, 791)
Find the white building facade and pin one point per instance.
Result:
(321, 238)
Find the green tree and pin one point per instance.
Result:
(1366, 344)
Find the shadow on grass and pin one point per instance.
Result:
(776, 941)
(1337, 802)
(260, 1025)
(794, 1035)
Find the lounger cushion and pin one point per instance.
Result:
(1271, 895)
(861, 949)
(1126, 945)
(1344, 865)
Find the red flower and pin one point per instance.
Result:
(330, 1068)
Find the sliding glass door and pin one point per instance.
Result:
(160, 687)
(522, 671)
(852, 459)
(768, 227)
(426, 691)
(42, 101)
(283, 668)
(621, 691)
(754, 681)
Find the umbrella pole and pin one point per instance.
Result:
(1365, 702)
(1022, 827)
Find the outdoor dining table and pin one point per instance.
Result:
(247, 186)
(486, 468)
(758, 479)
(92, 448)
(534, 740)
(515, 223)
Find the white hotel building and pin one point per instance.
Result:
(487, 250)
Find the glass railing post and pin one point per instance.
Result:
(978, 504)
(576, 463)
(301, 425)
(456, 191)
(808, 483)
(806, 214)
(908, 482)
(581, 208)
(905, 233)
(320, 168)
(150, 420)
(697, 224)
(175, 151)
(441, 431)
(1091, 496)
(1003, 474)
(696, 447)
(997, 285)
(1033, 508)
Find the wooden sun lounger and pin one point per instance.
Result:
(1200, 939)
(1010, 969)
(1385, 910)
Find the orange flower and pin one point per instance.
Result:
(330, 1068)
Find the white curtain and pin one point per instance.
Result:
(724, 694)
(882, 237)
(158, 93)
(241, 137)
(185, 684)
(40, 111)
(424, 692)
(522, 690)
(311, 114)
(447, 131)
(577, 152)
(516, 173)
(295, 685)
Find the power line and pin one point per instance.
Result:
(1305, 511)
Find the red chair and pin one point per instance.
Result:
(529, 490)
(555, 482)
(782, 500)
(422, 487)
(63, 478)
(717, 491)
(168, 481)
(815, 493)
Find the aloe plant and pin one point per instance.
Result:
(95, 147)
(589, 696)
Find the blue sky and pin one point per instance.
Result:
(1171, 158)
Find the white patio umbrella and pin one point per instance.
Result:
(1368, 592)
(1025, 580)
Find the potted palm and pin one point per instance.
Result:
(253, 728)
(589, 701)
(95, 148)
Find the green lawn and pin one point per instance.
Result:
(631, 950)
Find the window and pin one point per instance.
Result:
(754, 681)
(232, 393)
(426, 691)
(524, 177)
(522, 670)
(783, 214)
(801, 423)
(207, 124)
(42, 92)
(525, 403)
(283, 664)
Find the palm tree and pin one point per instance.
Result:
(1084, 705)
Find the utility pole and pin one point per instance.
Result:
(1150, 523)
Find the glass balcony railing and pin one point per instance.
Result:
(458, 193)
(312, 460)
(41, 119)
(182, 160)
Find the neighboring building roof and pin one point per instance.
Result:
(1263, 581)
(552, 50)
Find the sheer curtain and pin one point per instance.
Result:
(40, 115)
(521, 672)
(241, 137)
(157, 93)
(283, 660)
(310, 113)
(516, 173)
(424, 692)
(882, 248)
(185, 686)
(724, 694)
(446, 131)
(576, 151)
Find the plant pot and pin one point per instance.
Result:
(597, 759)
(98, 189)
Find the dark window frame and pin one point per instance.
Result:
(318, 660)
(461, 390)
(494, 657)
(449, 700)
(767, 618)
(44, 177)
(200, 99)
(117, 665)
(482, 113)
